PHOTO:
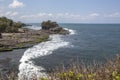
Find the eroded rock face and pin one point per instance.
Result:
(53, 28)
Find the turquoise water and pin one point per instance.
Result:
(91, 42)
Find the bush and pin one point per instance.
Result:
(7, 25)
(2, 26)
(108, 71)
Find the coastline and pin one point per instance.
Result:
(12, 41)
(25, 40)
(40, 65)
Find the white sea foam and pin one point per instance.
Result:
(27, 68)
(72, 32)
(34, 27)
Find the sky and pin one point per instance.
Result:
(62, 11)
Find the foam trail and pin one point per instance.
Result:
(27, 68)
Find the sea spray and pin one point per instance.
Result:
(34, 27)
(72, 32)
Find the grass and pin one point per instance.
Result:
(5, 49)
(20, 45)
(108, 71)
(38, 40)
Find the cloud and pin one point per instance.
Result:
(56, 16)
(11, 14)
(51, 16)
(16, 4)
(60, 17)
(94, 14)
(114, 15)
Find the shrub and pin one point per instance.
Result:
(7, 25)
(108, 71)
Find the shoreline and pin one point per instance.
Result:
(12, 53)
(14, 57)
(21, 40)
(12, 41)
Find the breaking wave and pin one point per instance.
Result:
(27, 68)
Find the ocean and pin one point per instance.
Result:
(85, 43)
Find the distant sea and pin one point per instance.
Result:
(86, 43)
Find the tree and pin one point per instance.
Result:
(8, 25)
(2, 26)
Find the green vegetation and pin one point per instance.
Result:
(108, 71)
(21, 45)
(5, 49)
(15, 37)
(31, 43)
(8, 25)
(26, 44)
(38, 40)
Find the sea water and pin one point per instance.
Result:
(87, 43)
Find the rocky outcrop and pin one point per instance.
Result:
(47, 25)
(53, 28)
(10, 41)
(25, 37)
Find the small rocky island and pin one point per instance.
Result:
(14, 35)
(53, 28)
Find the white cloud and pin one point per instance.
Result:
(115, 15)
(94, 14)
(11, 14)
(16, 4)
(68, 17)
(61, 16)
(52, 15)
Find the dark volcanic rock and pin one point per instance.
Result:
(47, 25)
(53, 28)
